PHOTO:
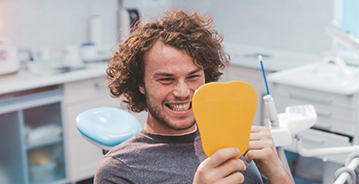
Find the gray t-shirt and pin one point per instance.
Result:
(150, 158)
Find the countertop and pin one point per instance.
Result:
(24, 80)
(241, 55)
(273, 59)
(326, 78)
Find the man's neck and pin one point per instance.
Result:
(158, 129)
(171, 133)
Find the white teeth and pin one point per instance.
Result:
(179, 107)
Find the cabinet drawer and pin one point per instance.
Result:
(312, 96)
(327, 112)
(83, 90)
(341, 127)
(314, 139)
(337, 120)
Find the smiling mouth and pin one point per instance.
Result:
(179, 107)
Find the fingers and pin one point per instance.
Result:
(260, 133)
(221, 156)
(221, 167)
(259, 154)
(256, 128)
(235, 177)
(259, 129)
(247, 158)
(261, 148)
(261, 144)
(231, 166)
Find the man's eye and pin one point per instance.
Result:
(166, 80)
(193, 76)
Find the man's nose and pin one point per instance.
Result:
(181, 90)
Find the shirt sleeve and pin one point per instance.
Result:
(112, 171)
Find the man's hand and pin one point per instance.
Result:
(261, 149)
(221, 167)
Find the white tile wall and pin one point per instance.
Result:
(56, 23)
(296, 25)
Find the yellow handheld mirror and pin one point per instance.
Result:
(224, 114)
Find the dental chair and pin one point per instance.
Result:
(107, 127)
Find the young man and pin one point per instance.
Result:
(158, 68)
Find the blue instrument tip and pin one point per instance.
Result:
(264, 74)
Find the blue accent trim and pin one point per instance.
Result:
(23, 147)
(350, 17)
(265, 79)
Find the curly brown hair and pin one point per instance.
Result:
(186, 30)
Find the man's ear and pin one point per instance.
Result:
(141, 89)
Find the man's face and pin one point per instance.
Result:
(170, 79)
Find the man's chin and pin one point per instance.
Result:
(173, 122)
(181, 127)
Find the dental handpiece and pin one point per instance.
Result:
(269, 102)
(271, 110)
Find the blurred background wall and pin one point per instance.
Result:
(296, 25)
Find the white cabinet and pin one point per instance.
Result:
(335, 98)
(337, 116)
(32, 141)
(80, 96)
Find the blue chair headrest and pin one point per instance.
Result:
(107, 125)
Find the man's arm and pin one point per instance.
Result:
(221, 167)
(261, 149)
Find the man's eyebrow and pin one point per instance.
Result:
(170, 75)
(163, 74)
(195, 71)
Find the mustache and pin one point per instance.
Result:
(176, 99)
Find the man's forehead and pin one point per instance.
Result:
(159, 47)
(165, 54)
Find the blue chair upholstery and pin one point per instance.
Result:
(107, 126)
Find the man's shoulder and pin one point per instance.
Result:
(113, 167)
(119, 155)
(129, 146)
